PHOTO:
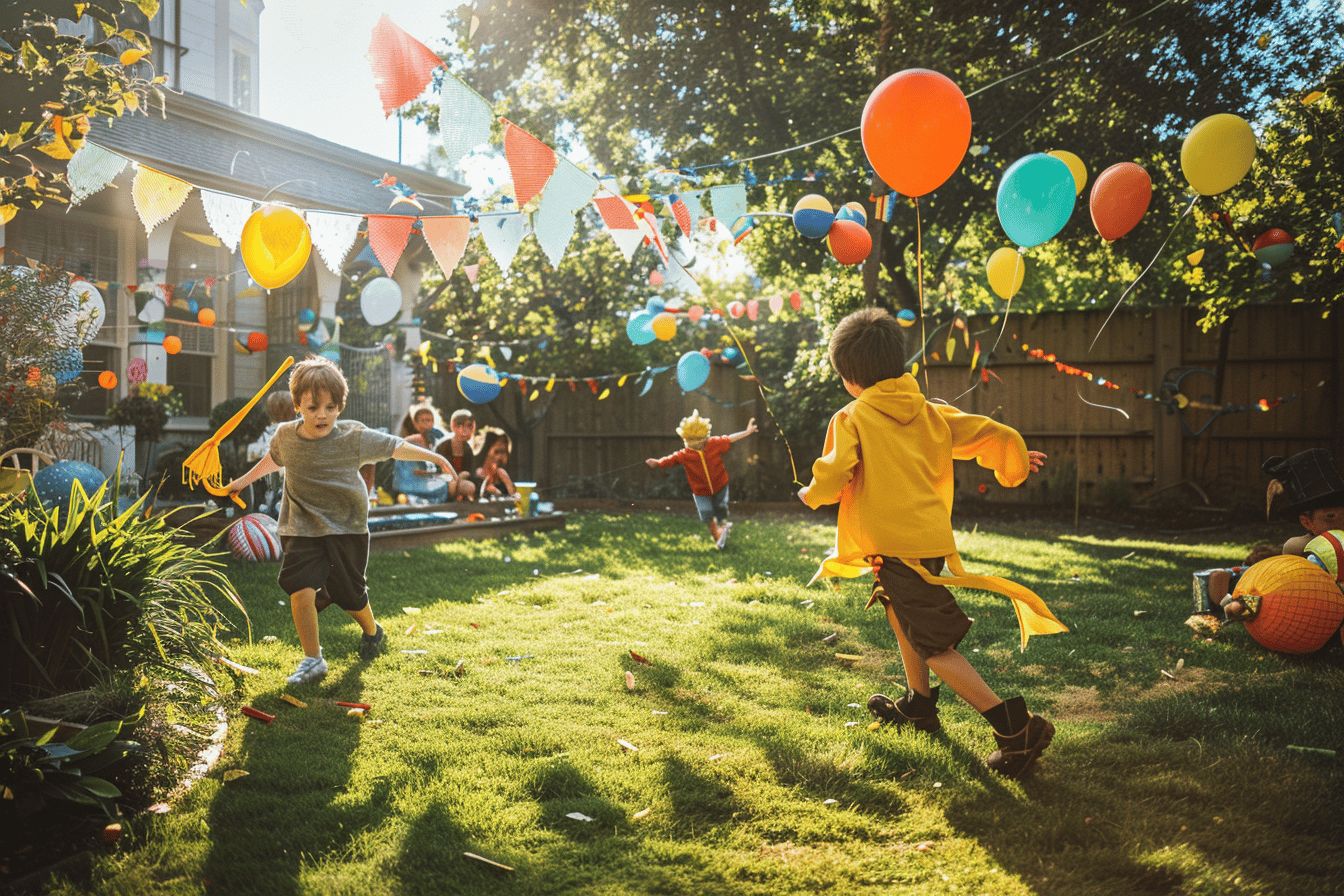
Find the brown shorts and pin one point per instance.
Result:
(332, 565)
(928, 614)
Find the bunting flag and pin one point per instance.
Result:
(618, 214)
(333, 235)
(695, 206)
(226, 216)
(91, 169)
(682, 213)
(157, 196)
(388, 235)
(447, 239)
(568, 190)
(402, 66)
(464, 119)
(729, 203)
(472, 271)
(530, 161)
(648, 224)
(679, 278)
(503, 234)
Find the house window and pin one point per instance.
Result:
(95, 401)
(242, 82)
(81, 249)
(189, 376)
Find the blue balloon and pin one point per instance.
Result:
(640, 328)
(692, 371)
(1035, 199)
(55, 483)
(731, 355)
(655, 305)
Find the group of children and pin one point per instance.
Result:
(480, 473)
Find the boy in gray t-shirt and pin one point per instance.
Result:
(324, 515)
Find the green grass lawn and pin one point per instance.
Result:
(755, 770)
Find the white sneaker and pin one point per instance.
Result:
(311, 668)
(723, 535)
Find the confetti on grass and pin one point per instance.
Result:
(484, 861)
(849, 657)
(629, 681)
(234, 774)
(257, 714)
(237, 667)
(640, 659)
(626, 745)
(578, 816)
(293, 701)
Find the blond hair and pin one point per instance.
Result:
(694, 428)
(313, 376)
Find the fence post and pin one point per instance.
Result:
(1167, 437)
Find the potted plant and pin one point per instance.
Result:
(147, 408)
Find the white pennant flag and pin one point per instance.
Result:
(464, 119)
(502, 234)
(91, 169)
(568, 190)
(333, 235)
(627, 241)
(730, 203)
(226, 215)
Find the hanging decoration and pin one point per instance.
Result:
(402, 66)
(1217, 153)
(729, 202)
(1120, 199)
(157, 196)
(333, 235)
(464, 119)
(915, 128)
(503, 234)
(1035, 199)
(91, 169)
(380, 301)
(226, 216)
(275, 245)
(446, 236)
(531, 162)
(388, 236)
(568, 191)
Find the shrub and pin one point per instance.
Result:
(34, 343)
(36, 770)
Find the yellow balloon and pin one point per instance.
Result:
(1217, 153)
(664, 326)
(275, 245)
(1076, 168)
(1006, 269)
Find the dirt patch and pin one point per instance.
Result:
(1078, 704)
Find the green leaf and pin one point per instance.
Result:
(95, 737)
(100, 787)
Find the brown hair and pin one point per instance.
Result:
(408, 422)
(280, 406)
(868, 347)
(314, 375)
(493, 435)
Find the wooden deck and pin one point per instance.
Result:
(495, 524)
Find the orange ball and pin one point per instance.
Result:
(172, 344)
(108, 380)
(257, 342)
(1301, 607)
(849, 241)
(206, 317)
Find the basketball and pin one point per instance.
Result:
(253, 538)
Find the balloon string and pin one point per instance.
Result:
(1007, 310)
(765, 402)
(1189, 208)
(1104, 407)
(919, 267)
(1226, 220)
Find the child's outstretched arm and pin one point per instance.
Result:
(993, 445)
(263, 467)
(654, 463)
(835, 468)
(407, 451)
(739, 436)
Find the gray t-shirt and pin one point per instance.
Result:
(324, 494)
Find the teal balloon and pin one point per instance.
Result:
(692, 371)
(655, 305)
(640, 328)
(1035, 199)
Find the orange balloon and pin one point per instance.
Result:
(206, 317)
(172, 344)
(257, 342)
(275, 245)
(108, 380)
(849, 241)
(1119, 200)
(916, 127)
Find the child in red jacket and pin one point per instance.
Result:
(702, 459)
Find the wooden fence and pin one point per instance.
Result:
(582, 447)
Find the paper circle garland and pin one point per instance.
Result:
(655, 278)
(1273, 247)
(108, 380)
(1035, 199)
(640, 328)
(695, 312)
(275, 245)
(1217, 153)
(849, 241)
(664, 326)
(478, 383)
(257, 342)
(136, 371)
(90, 310)
(812, 216)
(916, 127)
(172, 344)
(796, 300)
(1005, 270)
(753, 309)
(380, 300)
(736, 309)
(853, 211)
(206, 317)
(692, 371)
(776, 304)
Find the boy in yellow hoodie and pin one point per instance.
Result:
(888, 462)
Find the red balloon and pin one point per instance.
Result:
(1119, 200)
(916, 127)
(849, 241)
(257, 342)
(753, 309)
(796, 300)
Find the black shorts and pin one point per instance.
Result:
(332, 565)
(928, 614)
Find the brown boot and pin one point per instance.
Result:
(1017, 752)
(912, 709)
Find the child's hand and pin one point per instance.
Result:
(751, 426)
(446, 467)
(233, 487)
(1036, 460)
(651, 463)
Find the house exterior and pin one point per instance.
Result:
(212, 139)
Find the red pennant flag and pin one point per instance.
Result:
(402, 66)
(447, 239)
(530, 161)
(682, 214)
(615, 213)
(592, 384)
(388, 235)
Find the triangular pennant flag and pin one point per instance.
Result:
(388, 235)
(679, 278)
(502, 235)
(472, 271)
(333, 235)
(568, 190)
(402, 66)
(695, 206)
(729, 202)
(616, 212)
(530, 161)
(91, 169)
(648, 224)
(627, 241)
(464, 119)
(447, 238)
(226, 216)
(157, 196)
(681, 212)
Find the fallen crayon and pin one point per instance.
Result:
(293, 701)
(363, 706)
(258, 715)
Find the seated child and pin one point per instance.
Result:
(279, 409)
(457, 448)
(702, 458)
(495, 450)
(416, 478)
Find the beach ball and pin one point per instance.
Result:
(692, 371)
(275, 245)
(478, 383)
(253, 538)
(206, 317)
(813, 215)
(1274, 246)
(664, 326)
(852, 211)
(54, 483)
(906, 317)
(849, 241)
(1301, 607)
(640, 328)
(172, 344)
(731, 355)
(108, 380)
(380, 300)
(1327, 551)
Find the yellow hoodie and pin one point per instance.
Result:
(888, 461)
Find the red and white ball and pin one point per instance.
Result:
(253, 538)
